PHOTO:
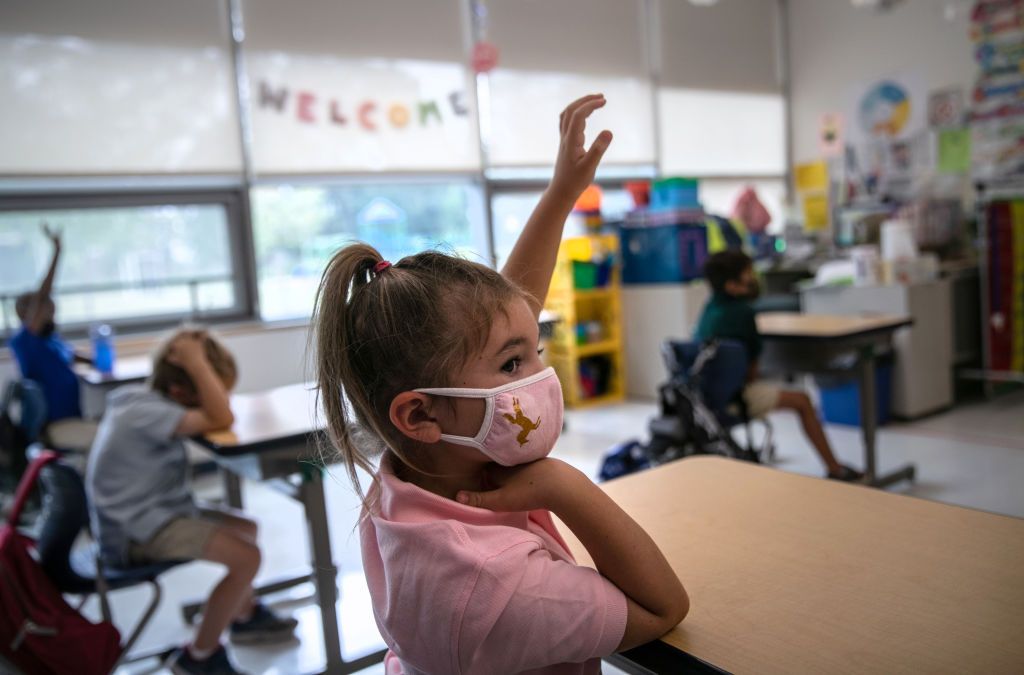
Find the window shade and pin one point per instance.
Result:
(553, 51)
(714, 133)
(355, 87)
(729, 46)
(123, 86)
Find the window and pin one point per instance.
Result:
(511, 209)
(298, 227)
(139, 264)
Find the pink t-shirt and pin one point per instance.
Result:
(457, 589)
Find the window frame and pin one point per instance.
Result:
(235, 201)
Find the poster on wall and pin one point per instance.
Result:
(887, 109)
(830, 135)
(946, 108)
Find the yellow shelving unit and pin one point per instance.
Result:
(577, 301)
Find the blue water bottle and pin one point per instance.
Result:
(103, 348)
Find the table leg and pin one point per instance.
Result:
(869, 425)
(232, 488)
(325, 574)
(868, 410)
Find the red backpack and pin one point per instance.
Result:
(39, 631)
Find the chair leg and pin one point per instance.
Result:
(143, 621)
(82, 599)
(102, 589)
(767, 447)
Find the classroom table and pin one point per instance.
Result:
(816, 343)
(275, 438)
(96, 385)
(793, 574)
(127, 370)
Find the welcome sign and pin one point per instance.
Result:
(324, 114)
(309, 107)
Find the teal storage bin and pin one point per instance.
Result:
(674, 193)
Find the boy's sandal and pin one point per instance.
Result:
(846, 474)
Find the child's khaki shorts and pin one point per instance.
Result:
(180, 539)
(761, 397)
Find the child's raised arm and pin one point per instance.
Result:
(532, 261)
(35, 318)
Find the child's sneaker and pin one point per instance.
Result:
(263, 626)
(217, 663)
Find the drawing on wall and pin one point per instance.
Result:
(830, 135)
(884, 110)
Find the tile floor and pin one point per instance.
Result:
(972, 456)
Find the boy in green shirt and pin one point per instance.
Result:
(729, 315)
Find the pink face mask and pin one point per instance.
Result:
(522, 419)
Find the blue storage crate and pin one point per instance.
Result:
(840, 400)
(667, 247)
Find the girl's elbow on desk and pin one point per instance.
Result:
(643, 626)
(678, 610)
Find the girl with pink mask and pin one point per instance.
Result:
(448, 405)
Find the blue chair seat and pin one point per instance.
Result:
(73, 569)
(720, 380)
(83, 566)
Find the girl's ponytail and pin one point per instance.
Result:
(347, 273)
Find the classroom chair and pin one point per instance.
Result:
(722, 376)
(23, 409)
(80, 571)
(25, 404)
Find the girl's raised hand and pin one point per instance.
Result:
(575, 166)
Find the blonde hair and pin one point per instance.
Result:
(166, 374)
(381, 330)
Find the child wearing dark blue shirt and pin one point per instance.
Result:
(46, 359)
(730, 315)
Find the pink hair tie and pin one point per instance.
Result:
(381, 266)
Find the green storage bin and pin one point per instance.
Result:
(584, 275)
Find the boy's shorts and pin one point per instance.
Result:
(180, 539)
(71, 433)
(761, 397)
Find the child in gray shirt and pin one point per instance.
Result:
(142, 506)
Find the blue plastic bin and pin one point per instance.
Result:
(840, 400)
(668, 247)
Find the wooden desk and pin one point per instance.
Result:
(794, 326)
(275, 438)
(816, 342)
(791, 574)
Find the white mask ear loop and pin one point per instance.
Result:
(467, 392)
(485, 428)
